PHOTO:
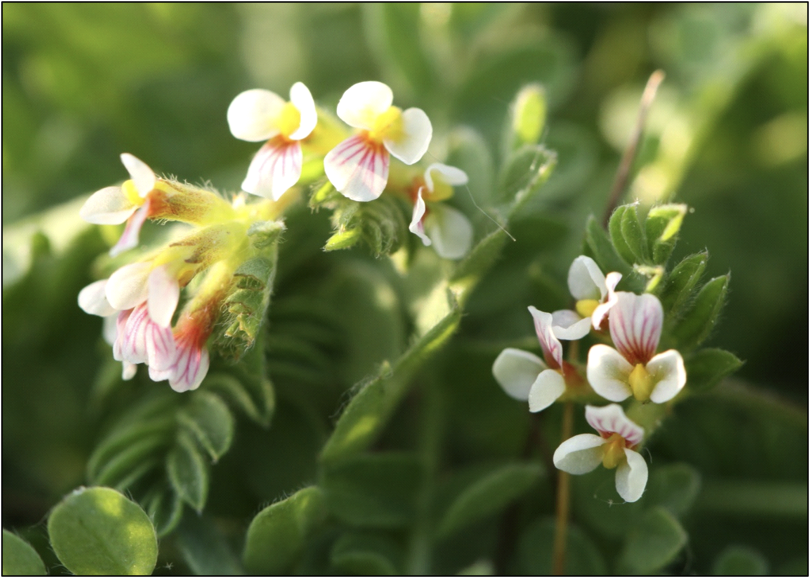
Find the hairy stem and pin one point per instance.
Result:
(563, 499)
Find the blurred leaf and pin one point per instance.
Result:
(627, 235)
(366, 554)
(748, 498)
(205, 549)
(99, 531)
(374, 490)
(677, 289)
(20, 558)
(165, 508)
(488, 495)
(740, 561)
(653, 542)
(601, 248)
(527, 118)
(535, 550)
(276, 536)
(674, 487)
(698, 322)
(707, 367)
(207, 418)
(188, 472)
(524, 171)
(470, 152)
(662, 226)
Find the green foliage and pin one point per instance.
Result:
(661, 229)
(678, 288)
(674, 487)
(707, 367)
(187, 471)
(740, 561)
(528, 118)
(382, 224)
(19, 557)
(627, 235)
(654, 541)
(599, 246)
(534, 555)
(699, 320)
(208, 419)
(205, 549)
(366, 554)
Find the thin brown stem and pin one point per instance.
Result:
(620, 181)
(563, 499)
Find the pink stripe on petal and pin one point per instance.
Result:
(552, 348)
(160, 347)
(611, 419)
(635, 325)
(358, 168)
(274, 169)
(129, 238)
(120, 326)
(190, 367)
(133, 348)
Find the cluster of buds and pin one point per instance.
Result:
(633, 369)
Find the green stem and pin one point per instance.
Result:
(563, 498)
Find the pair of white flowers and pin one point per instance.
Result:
(631, 369)
(358, 166)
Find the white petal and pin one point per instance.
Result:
(128, 370)
(127, 287)
(668, 371)
(253, 115)
(133, 337)
(547, 388)
(274, 169)
(93, 299)
(129, 238)
(362, 103)
(109, 206)
(450, 175)
(164, 293)
(610, 419)
(585, 279)
(552, 348)
(567, 324)
(140, 173)
(579, 455)
(635, 325)
(357, 168)
(415, 139)
(516, 371)
(608, 373)
(603, 309)
(631, 476)
(160, 347)
(120, 328)
(417, 227)
(450, 231)
(189, 369)
(302, 100)
(110, 329)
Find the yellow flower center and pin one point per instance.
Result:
(289, 120)
(388, 125)
(641, 382)
(586, 307)
(128, 188)
(614, 451)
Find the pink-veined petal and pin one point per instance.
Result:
(631, 476)
(586, 280)
(164, 293)
(133, 337)
(120, 326)
(552, 348)
(580, 454)
(610, 419)
(516, 371)
(546, 389)
(160, 346)
(363, 102)
(93, 299)
(127, 287)
(301, 99)
(450, 231)
(189, 369)
(635, 325)
(669, 375)
(140, 173)
(274, 169)
(414, 139)
(417, 227)
(450, 175)
(608, 373)
(357, 168)
(567, 324)
(109, 206)
(132, 231)
(254, 114)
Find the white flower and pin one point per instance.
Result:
(595, 297)
(189, 362)
(129, 202)
(447, 229)
(524, 376)
(260, 115)
(613, 448)
(635, 327)
(358, 166)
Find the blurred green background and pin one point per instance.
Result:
(727, 135)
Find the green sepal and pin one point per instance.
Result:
(254, 274)
(262, 234)
(188, 471)
(276, 536)
(20, 558)
(696, 324)
(707, 367)
(662, 226)
(737, 560)
(676, 290)
(344, 239)
(380, 223)
(208, 419)
(653, 542)
(363, 554)
(598, 244)
(527, 117)
(627, 235)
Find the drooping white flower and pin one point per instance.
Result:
(189, 363)
(614, 447)
(595, 297)
(260, 115)
(635, 369)
(140, 340)
(358, 166)
(447, 229)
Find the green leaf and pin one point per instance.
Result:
(468, 151)
(19, 557)
(366, 555)
(130, 460)
(527, 117)
(662, 226)
(488, 495)
(208, 419)
(707, 367)
(276, 536)
(535, 551)
(654, 541)
(674, 487)
(127, 446)
(601, 248)
(701, 318)
(677, 289)
(205, 549)
(344, 240)
(525, 171)
(188, 472)
(165, 508)
(376, 490)
(99, 531)
(627, 235)
(740, 561)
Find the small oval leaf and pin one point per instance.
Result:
(188, 472)
(20, 558)
(208, 419)
(653, 542)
